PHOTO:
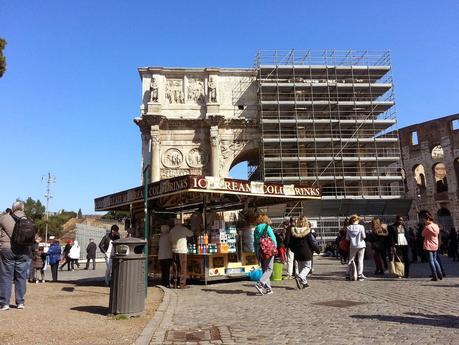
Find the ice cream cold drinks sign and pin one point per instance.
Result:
(207, 184)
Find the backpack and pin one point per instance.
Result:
(313, 244)
(24, 232)
(266, 244)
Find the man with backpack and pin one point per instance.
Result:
(17, 234)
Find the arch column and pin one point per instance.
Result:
(155, 154)
(215, 151)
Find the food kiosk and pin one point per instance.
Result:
(221, 247)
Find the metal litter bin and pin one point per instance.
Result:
(127, 285)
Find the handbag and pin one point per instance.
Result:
(344, 245)
(396, 268)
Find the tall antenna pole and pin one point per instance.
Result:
(50, 179)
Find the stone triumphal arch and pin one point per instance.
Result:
(197, 120)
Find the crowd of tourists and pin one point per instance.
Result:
(391, 247)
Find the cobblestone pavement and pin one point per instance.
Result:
(379, 310)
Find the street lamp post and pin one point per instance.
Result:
(50, 179)
(146, 220)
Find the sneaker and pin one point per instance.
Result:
(305, 285)
(21, 306)
(299, 283)
(269, 291)
(42, 280)
(348, 277)
(5, 307)
(361, 278)
(259, 287)
(288, 277)
(36, 281)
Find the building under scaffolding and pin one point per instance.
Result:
(315, 117)
(327, 118)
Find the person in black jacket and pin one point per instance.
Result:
(399, 243)
(301, 241)
(65, 255)
(91, 254)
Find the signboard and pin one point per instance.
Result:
(209, 184)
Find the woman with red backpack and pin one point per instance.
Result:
(264, 242)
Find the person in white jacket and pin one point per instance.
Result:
(74, 255)
(355, 234)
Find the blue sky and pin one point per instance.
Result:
(72, 89)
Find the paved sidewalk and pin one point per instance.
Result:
(332, 311)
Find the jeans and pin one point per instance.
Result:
(440, 263)
(54, 268)
(304, 268)
(13, 267)
(434, 265)
(267, 268)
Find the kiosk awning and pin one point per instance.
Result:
(187, 192)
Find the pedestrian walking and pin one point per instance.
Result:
(54, 255)
(65, 255)
(74, 255)
(399, 243)
(14, 257)
(355, 234)
(430, 234)
(265, 246)
(91, 254)
(302, 242)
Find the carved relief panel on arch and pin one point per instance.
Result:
(174, 91)
(195, 91)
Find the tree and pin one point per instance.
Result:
(2, 57)
(116, 215)
(34, 209)
(80, 214)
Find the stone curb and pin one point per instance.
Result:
(167, 306)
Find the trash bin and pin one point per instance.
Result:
(277, 271)
(127, 285)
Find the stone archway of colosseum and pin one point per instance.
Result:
(236, 152)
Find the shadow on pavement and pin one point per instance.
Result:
(446, 321)
(446, 285)
(92, 309)
(231, 292)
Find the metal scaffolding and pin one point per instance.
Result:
(327, 118)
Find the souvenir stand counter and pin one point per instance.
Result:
(218, 250)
